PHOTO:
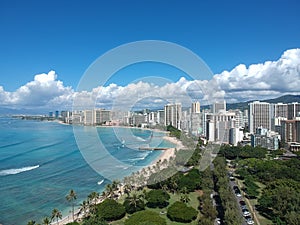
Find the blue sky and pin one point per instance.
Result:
(67, 36)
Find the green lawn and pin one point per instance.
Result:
(193, 202)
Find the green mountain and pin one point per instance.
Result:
(282, 99)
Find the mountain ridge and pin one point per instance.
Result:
(281, 99)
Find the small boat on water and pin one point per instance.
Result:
(123, 143)
(100, 182)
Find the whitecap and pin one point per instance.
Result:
(18, 170)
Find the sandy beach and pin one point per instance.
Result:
(166, 154)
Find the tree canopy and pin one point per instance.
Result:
(110, 210)
(157, 198)
(133, 204)
(281, 198)
(145, 218)
(243, 152)
(180, 212)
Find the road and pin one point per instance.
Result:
(238, 199)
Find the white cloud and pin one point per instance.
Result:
(270, 79)
(43, 91)
(258, 81)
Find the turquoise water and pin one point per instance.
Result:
(40, 162)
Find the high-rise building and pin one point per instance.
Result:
(235, 135)
(281, 110)
(260, 115)
(161, 117)
(195, 126)
(245, 118)
(101, 116)
(219, 106)
(290, 130)
(293, 110)
(88, 116)
(173, 115)
(138, 119)
(152, 118)
(218, 126)
(195, 107)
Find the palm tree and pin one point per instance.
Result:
(109, 190)
(173, 185)
(184, 190)
(56, 214)
(164, 188)
(115, 185)
(31, 222)
(83, 207)
(144, 194)
(127, 189)
(144, 172)
(185, 198)
(71, 197)
(134, 199)
(93, 197)
(46, 221)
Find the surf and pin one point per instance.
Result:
(17, 170)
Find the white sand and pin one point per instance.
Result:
(166, 154)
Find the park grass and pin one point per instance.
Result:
(194, 202)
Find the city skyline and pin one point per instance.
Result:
(47, 91)
(48, 46)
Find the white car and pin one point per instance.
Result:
(246, 212)
(218, 221)
(249, 220)
(238, 194)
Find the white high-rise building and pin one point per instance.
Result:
(219, 107)
(260, 115)
(101, 116)
(173, 115)
(218, 126)
(161, 117)
(88, 116)
(235, 135)
(195, 107)
(152, 118)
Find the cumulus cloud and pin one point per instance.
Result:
(44, 91)
(257, 81)
(270, 79)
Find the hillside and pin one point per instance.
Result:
(283, 99)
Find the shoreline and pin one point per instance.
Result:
(165, 155)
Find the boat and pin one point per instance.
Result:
(100, 182)
(123, 143)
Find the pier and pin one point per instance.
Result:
(153, 148)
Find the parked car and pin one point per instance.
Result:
(238, 193)
(246, 212)
(249, 220)
(242, 202)
(243, 207)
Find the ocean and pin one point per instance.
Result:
(41, 161)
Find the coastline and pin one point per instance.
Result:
(165, 155)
